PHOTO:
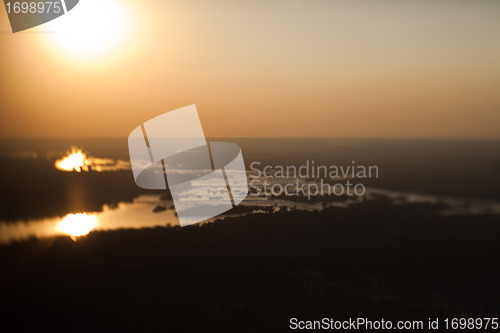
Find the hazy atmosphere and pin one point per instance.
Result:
(316, 68)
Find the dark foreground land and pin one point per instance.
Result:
(254, 273)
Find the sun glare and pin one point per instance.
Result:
(92, 28)
(76, 160)
(77, 225)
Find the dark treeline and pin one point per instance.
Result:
(35, 189)
(253, 273)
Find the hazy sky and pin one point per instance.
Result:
(422, 68)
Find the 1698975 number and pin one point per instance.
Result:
(33, 7)
(471, 323)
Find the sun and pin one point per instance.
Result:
(77, 225)
(92, 28)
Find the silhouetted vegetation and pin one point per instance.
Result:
(253, 273)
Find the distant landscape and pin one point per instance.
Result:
(254, 268)
(257, 272)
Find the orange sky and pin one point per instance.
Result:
(309, 68)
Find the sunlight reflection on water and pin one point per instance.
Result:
(148, 211)
(78, 224)
(138, 214)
